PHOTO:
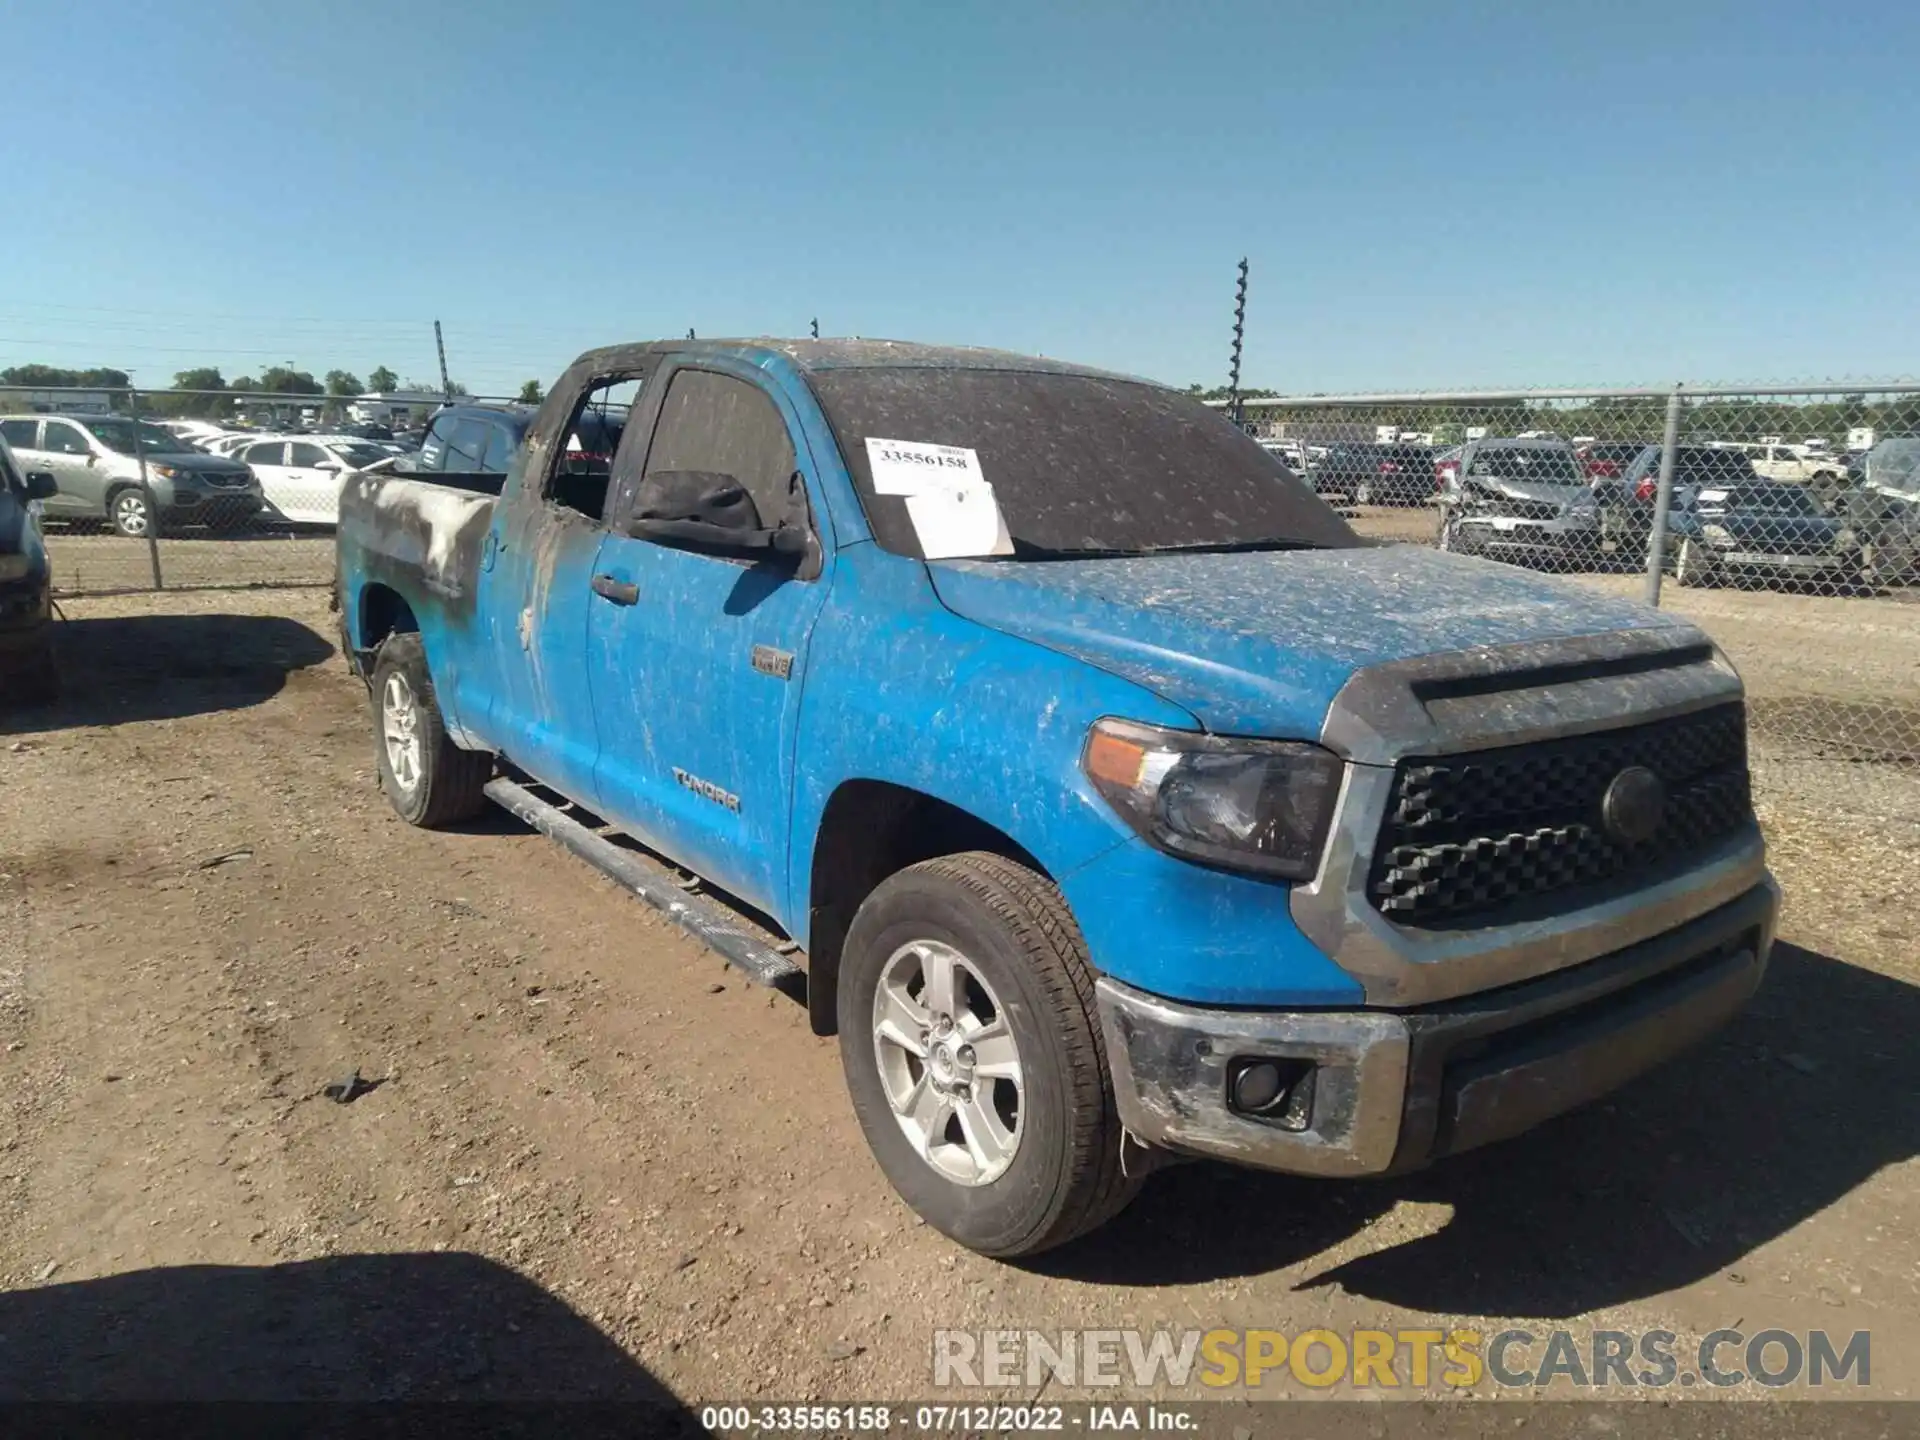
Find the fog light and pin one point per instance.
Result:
(1257, 1086)
(1280, 1091)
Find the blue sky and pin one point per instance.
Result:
(1430, 195)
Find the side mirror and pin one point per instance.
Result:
(41, 485)
(709, 512)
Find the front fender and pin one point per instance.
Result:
(902, 690)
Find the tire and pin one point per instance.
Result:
(436, 782)
(1692, 569)
(1020, 966)
(1458, 540)
(130, 512)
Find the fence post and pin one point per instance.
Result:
(146, 485)
(1663, 501)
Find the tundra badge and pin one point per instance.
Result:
(707, 790)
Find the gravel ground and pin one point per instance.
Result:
(595, 1162)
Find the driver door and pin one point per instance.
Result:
(65, 453)
(698, 660)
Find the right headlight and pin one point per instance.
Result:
(1261, 806)
(14, 567)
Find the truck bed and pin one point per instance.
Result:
(415, 534)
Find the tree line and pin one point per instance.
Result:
(203, 392)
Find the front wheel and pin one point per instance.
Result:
(1694, 567)
(130, 513)
(974, 1058)
(428, 779)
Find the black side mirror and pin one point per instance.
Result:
(41, 485)
(710, 512)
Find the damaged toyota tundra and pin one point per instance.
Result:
(1094, 783)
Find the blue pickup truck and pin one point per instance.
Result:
(1121, 802)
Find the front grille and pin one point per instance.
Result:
(1470, 835)
(225, 481)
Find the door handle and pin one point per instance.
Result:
(620, 592)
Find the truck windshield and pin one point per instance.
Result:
(1079, 464)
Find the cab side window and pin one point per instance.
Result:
(716, 423)
(20, 433)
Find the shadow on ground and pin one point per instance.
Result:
(118, 669)
(419, 1327)
(1809, 1093)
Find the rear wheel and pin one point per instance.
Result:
(427, 778)
(974, 1057)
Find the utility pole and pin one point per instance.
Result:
(446, 385)
(1239, 330)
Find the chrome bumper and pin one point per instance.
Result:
(1394, 1090)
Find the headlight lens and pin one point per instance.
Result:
(1717, 534)
(13, 567)
(165, 472)
(1256, 805)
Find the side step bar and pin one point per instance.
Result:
(703, 918)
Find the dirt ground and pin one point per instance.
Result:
(597, 1162)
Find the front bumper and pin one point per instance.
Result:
(1393, 1090)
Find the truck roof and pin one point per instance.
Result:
(811, 355)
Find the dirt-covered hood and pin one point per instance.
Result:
(1260, 643)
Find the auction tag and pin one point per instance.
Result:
(908, 467)
(1505, 522)
(954, 523)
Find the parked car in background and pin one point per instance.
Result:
(198, 433)
(1290, 453)
(300, 475)
(1881, 502)
(1374, 474)
(1606, 459)
(1629, 501)
(1758, 529)
(1520, 500)
(1800, 464)
(95, 460)
(27, 671)
(481, 440)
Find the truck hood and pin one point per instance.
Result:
(1260, 643)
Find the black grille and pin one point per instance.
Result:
(1471, 834)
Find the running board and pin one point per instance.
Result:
(701, 917)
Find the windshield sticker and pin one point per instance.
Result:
(910, 467)
(952, 522)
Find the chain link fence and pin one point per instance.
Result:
(1785, 522)
(188, 489)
